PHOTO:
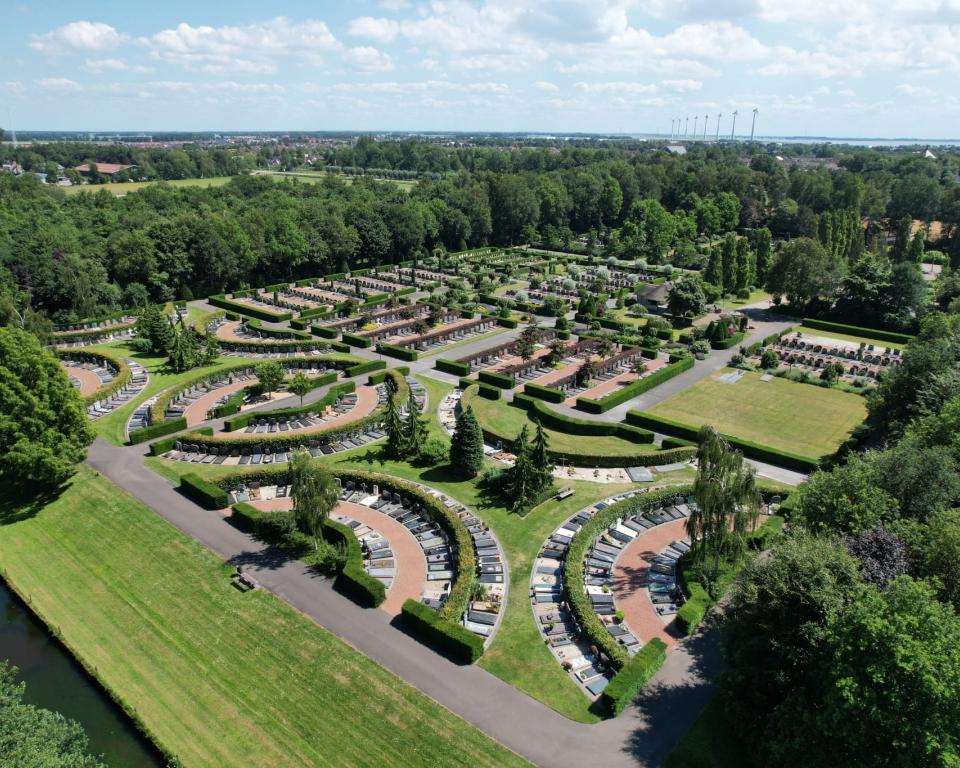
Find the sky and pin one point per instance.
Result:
(875, 68)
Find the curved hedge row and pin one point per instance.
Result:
(749, 449)
(160, 447)
(352, 579)
(258, 326)
(336, 392)
(452, 639)
(119, 381)
(573, 584)
(361, 368)
(634, 389)
(380, 376)
(92, 334)
(242, 309)
(562, 423)
(635, 674)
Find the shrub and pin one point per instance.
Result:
(242, 309)
(157, 430)
(636, 673)
(507, 322)
(207, 495)
(361, 368)
(351, 339)
(491, 393)
(452, 366)
(401, 353)
(247, 517)
(353, 580)
(634, 389)
(381, 376)
(676, 442)
(727, 343)
(544, 393)
(160, 447)
(497, 379)
(562, 423)
(328, 333)
(443, 635)
(433, 452)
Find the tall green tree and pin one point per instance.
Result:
(901, 243)
(414, 427)
(43, 422)
(315, 493)
(299, 385)
(713, 274)
(728, 260)
(270, 375)
(31, 737)
(184, 349)
(540, 459)
(153, 331)
(522, 484)
(466, 448)
(744, 267)
(803, 271)
(393, 426)
(727, 503)
(761, 246)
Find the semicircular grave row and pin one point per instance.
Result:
(626, 569)
(89, 377)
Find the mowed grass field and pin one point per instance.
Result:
(799, 418)
(506, 421)
(219, 677)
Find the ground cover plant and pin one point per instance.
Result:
(788, 416)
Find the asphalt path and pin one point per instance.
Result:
(642, 736)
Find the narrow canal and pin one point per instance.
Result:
(56, 681)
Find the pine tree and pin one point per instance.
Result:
(414, 428)
(902, 243)
(915, 250)
(211, 349)
(523, 480)
(154, 331)
(466, 450)
(393, 426)
(540, 458)
(184, 349)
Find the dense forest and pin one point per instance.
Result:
(75, 256)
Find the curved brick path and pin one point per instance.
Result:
(411, 572)
(89, 381)
(630, 580)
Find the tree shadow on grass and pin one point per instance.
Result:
(20, 503)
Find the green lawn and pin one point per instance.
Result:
(123, 187)
(506, 421)
(755, 297)
(709, 743)
(847, 337)
(220, 678)
(804, 419)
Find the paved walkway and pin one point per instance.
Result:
(89, 381)
(411, 565)
(642, 736)
(630, 581)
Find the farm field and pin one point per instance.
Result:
(221, 678)
(798, 418)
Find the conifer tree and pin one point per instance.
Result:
(154, 331)
(466, 450)
(184, 349)
(761, 245)
(414, 428)
(728, 260)
(523, 481)
(393, 426)
(540, 458)
(714, 271)
(742, 266)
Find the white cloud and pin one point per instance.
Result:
(369, 59)
(683, 86)
(249, 48)
(78, 36)
(381, 30)
(59, 84)
(543, 85)
(917, 91)
(98, 66)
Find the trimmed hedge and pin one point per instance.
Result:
(497, 379)
(160, 447)
(452, 639)
(379, 378)
(207, 495)
(242, 309)
(634, 389)
(465, 382)
(119, 381)
(323, 332)
(730, 341)
(144, 434)
(491, 393)
(592, 628)
(507, 322)
(856, 330)
(361, 368)
(635, 674)
(676, 442)
(541, 392)
(290, 335)
(750, 450)
(401, 353)
(246, 517)
(352, 340)
(562, 423)
(452, 366)
(353, 580)
(243, 420)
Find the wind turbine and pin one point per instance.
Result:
(686, 125)
(705, 118)
(754, 123)
(695, 118)
(717, 137)
(734, 126)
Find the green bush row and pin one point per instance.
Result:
(324, 332)
(750, 450)
(491, 393)
(634, 389)
(352, 340)
(160, 447)
(563, 423)
(242, 309)
(361, 368)
(452, 639)
(152, 431)
(100, 358)
(91, 334)
(159, 408)
(380, 377)
(294, 335)
(497, 379)
(730, 341)
(353, 580)
(541, 392)
(452, 366)
(243, 420)
(507, 322)
(635, 674)
(593, 629)
(857, 330)
(676, 442)
(207, 495)
(402, 353)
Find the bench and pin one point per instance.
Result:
(564, 493)
(244, 582)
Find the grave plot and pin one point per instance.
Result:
(453, 328)
(860, 361)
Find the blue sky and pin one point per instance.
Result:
(812, 67)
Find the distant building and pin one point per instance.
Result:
(676, 149)
(104, 169)
(654, 297)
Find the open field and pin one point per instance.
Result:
(220, 678)
(730, 302)
(502, 419)
(798, 418)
